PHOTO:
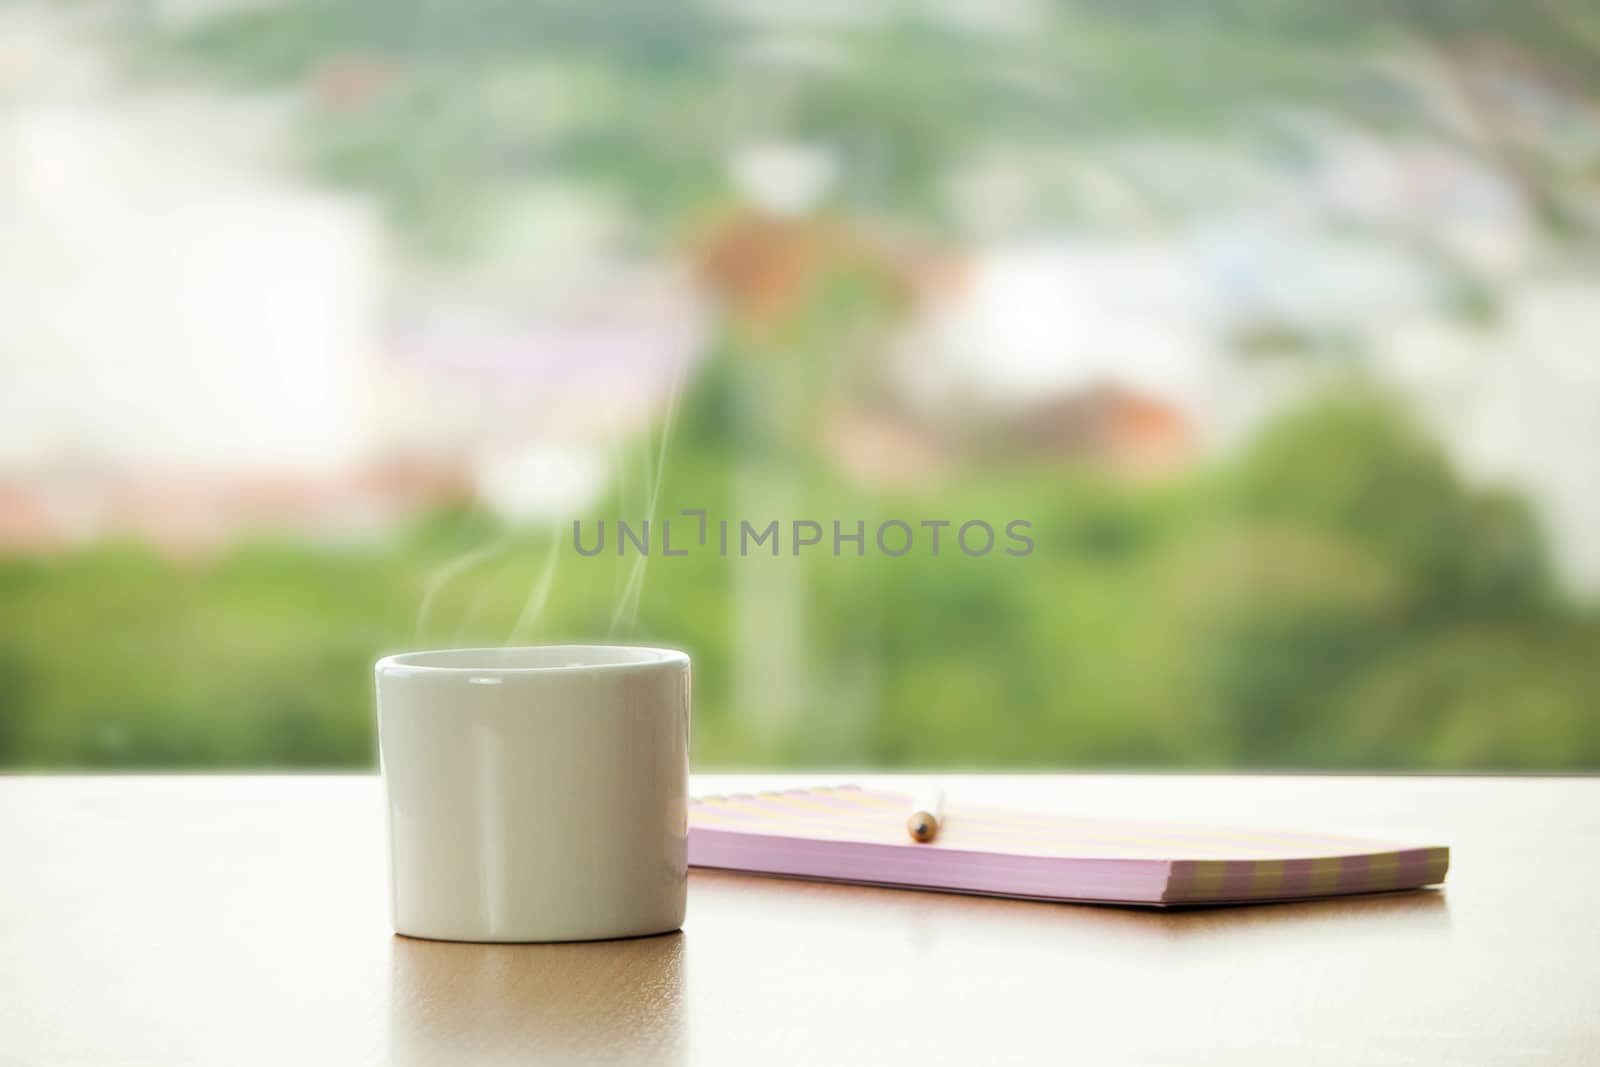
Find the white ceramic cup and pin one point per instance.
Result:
(536, 794)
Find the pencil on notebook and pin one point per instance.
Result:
(927, 809)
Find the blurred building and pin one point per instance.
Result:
(197, 343)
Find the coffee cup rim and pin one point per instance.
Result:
(543, 659)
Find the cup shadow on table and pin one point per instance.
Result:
(626, 1001)
(606, 1001)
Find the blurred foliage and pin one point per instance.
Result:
(1333, 598)
(446, 109)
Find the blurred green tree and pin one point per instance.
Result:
(1227, 619)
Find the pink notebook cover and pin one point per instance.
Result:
(848, 834)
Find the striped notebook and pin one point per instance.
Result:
(847, 834)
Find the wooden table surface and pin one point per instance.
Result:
(225, 920)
